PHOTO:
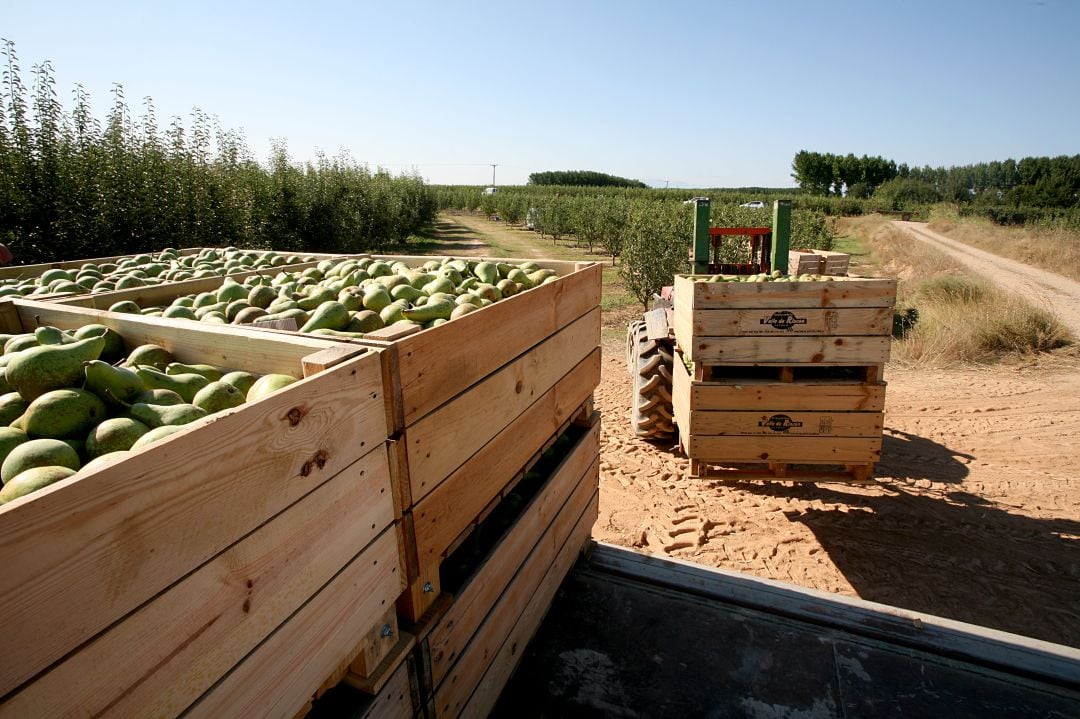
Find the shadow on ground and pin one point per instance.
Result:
(909, 456)
(953, 555)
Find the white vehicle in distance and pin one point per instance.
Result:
(756, 204)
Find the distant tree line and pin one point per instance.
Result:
(582, 178)
(1046, 182)
(73, 187)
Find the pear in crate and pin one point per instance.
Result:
(32, 480)
(38, 453)
(38, 370)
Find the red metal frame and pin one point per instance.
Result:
(760, 248)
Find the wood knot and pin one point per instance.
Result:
(839, 341)
(518, 387)
(316, 462)
(295, 414)
(817, 358)
(247, 606)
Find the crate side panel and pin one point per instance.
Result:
(162, 657)
(283, 673)
(436, 365)
(444, 439)
(84, 552)
(447, 511)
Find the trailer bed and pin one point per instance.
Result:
(632, 635)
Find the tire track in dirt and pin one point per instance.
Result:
(1047, 290)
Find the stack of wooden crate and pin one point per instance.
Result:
(225, 570)
(833, 263)
(804, 262)
(470, 411)
(781, 380)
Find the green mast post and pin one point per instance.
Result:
(781, 235)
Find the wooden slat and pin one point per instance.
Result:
(164, 294)
(784, 396)
(226, 346)
(447, 511)
(575, 477)
(486, 408)
(796, 450)
(284, 672)
(854, 322)
(394, 700)
(161, 658)
(854, 292)
(504, 641)
(788, 423)
(86, 551)
(437, 365)
(785, 350)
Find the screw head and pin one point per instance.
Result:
(428, 587)
(387, 630)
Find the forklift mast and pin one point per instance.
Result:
(768, 245)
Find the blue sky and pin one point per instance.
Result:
(691, 93)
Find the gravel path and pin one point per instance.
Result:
(1056, 293)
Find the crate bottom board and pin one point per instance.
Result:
(782, 472)
(789, 450)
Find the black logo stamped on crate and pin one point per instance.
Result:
(779, 423)
(783, 320)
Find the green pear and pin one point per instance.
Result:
(185, 385)
(231, 290)
(328, 315)
(248, 315)
(268, 384)
(165, 397)
(156, 415)
(126, 307)
(211, 373)
(218, 396)
(364, 321)
(114, 343)
(32, 480)
(18, 343)
(63, 413)
(115, 385)
(179, 312)
(12, 406)
(155, 434)
(10, 438)
(35, 371)
(38, 453)
(52, 336)
(241, 380)
(149, 355)
(114, 435)
(261, 296)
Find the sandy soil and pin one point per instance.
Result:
(975, 515)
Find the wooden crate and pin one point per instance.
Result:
(28, 271)
(837, 322)
(469, 650)
(804, 262)
(833, 263)
(227, 569)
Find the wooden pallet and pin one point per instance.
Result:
(225, 570)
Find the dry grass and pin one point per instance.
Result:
(1055, 250)
(962, 319)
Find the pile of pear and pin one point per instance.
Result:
(355, 296)
(145, 270)
(75, 402)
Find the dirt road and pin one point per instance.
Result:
(1048, 290)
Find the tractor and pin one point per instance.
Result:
(650, 342)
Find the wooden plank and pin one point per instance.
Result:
(787, 423)
(787, 350)
(226, 346)
(486, 408)
(987, 647)
(380, 674)
(859, 321)
(394, 701)
(575, 477)
(656, 325)
(506, 639)
(795, 450)
(376, 646)
(447, 511)
(324, 359)
(846, 292)
(165, 293)
(437, 365)
(284, 672)
(851, 474)
(780, 396)
(86, 551)
(165, 655)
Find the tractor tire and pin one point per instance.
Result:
(651, 360)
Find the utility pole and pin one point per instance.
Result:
(493, 166)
